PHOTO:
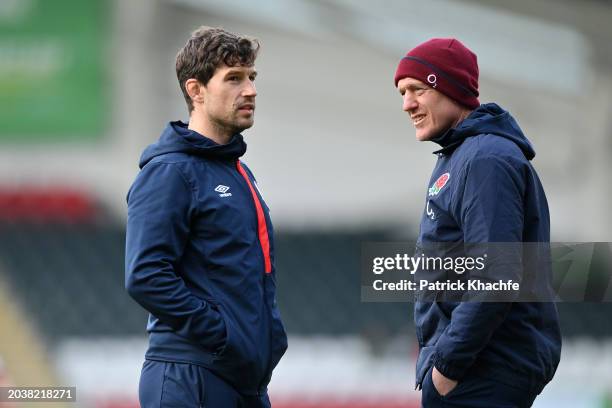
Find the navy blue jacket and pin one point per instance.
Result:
(484, 189)
(200, 259)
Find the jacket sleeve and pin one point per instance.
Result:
(160, 206)
(489, 209)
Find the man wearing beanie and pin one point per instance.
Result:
(483, 190)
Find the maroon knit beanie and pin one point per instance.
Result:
(446, 65)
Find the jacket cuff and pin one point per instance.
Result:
(447, 369)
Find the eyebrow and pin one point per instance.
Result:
(240, 72)
(412, 87)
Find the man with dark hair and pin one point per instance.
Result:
(483, 190)
(199, 245)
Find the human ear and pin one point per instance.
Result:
(195, 90)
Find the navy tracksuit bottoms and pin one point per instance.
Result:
(180, 385)
(475, 392)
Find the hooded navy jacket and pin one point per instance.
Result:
(200, 259)
(484, 189)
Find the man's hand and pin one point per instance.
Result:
(442, 384)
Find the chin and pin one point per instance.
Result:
(247, 124)
(242, 120)
(240, 126)
(423, 136)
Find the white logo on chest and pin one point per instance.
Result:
(223, 190)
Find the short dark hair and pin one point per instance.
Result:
(206, 50)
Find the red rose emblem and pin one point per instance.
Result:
(441, 182)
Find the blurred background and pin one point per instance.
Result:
(86, 85)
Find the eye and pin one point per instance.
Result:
(252, 78)
(232, 78)
(419, 91)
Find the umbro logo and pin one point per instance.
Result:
(223, 190)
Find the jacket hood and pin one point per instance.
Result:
(177, 138)
(488, 118)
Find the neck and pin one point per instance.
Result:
(218, 134)
(464, 114)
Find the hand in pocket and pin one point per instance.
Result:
(442, 384)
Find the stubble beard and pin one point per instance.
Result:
(232, 125)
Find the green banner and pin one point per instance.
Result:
(53, 70)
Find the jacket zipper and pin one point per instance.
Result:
(264, 241)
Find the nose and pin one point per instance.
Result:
(409, 102)
(249, 89)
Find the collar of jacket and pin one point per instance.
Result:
(453, 137)
(449, 141)
(198, 144)
(178, 138)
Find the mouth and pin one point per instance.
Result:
(418, 119)
(247, 107)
